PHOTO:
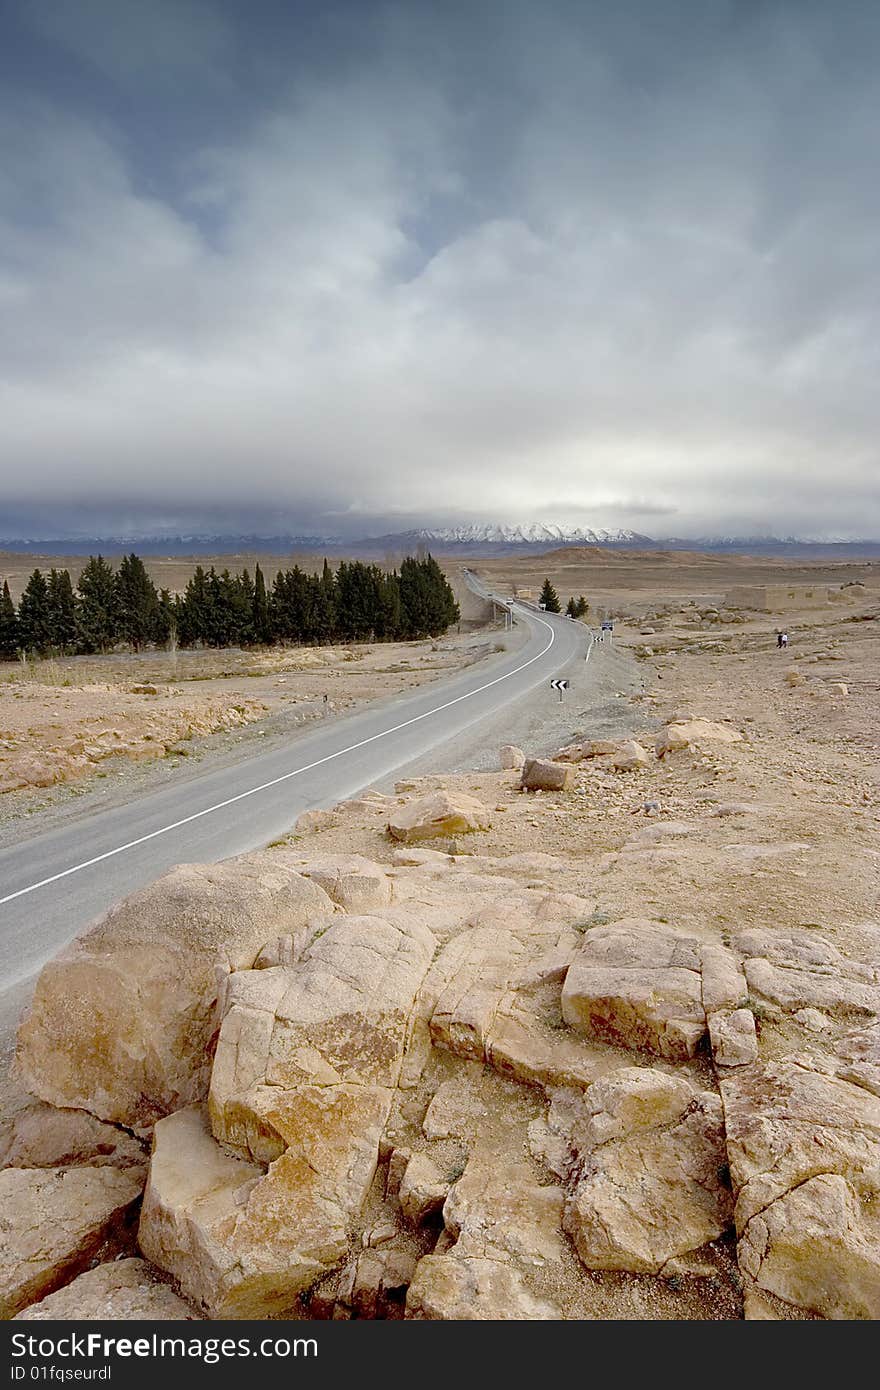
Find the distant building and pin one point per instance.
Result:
(777, 598)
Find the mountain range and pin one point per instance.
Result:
(467, 540)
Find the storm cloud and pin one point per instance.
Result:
(350, 267)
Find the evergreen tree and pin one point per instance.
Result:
(389, 618)
(9, 640)
(356, 601)
(61, 611)
(138, 602)
(549, 598)
(427, 603)
(34, 627)
(96, 606)
(261, 624)
(194, 610)
(324, 606)
(571, 608)
(581, 608)
(167, 624)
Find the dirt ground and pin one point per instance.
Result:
(66, 722)
(618, 581)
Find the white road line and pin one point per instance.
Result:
(208, 810)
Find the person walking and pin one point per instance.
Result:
(784, 641)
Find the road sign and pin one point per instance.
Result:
(561, 686)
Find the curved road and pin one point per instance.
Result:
(54, 883)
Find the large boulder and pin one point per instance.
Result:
(54, 1223)
(804, 1152)
(242, 1244)
(438, 816)
(125, 1290)
(540, 774)
(341, 1014)
(122, 1020)
(648, 1189)
(690, 733)
(637, 984)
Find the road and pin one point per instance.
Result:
(53, 883)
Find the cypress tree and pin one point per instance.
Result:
(61, 611)
(261, 623)
(324, 607)
(581, 608)
(96, 606)
(34, 630)
(167, 619)
(571, 609)
(9, 640)
(549, 598)
(194, 610)
(138, 602)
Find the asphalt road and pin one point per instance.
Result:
(53, 883)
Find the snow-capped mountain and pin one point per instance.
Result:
(537, 533)
(492, 538)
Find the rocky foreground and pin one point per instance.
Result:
(591, 1037)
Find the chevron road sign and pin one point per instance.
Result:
(561, 686)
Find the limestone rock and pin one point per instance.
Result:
(499, 1211)
(121, 1021)
(39, 1136)
(539, 774)
(467, 1288)
(122, 1291)
(797, 970)
(54, 1223)
(244, 1245)
(654, 1193)
(804, 1150)
(692, 733)
(818, 1247)
(785, 1121)
(733, 1037)
(630, 757)
(637, 984)
(858, 1058)
(341, 1014)
(355, 883)
(422, 1189)
(439, 815)
(374, 1284)
(592, 748)
(511, 758)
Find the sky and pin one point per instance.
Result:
(342, 268)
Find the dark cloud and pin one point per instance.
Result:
(346, 264)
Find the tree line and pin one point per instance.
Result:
(575, 608)
(114, 607)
